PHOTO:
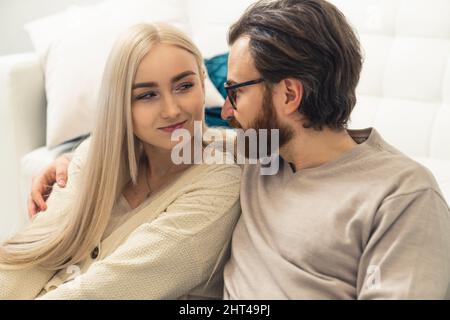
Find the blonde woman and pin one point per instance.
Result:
(130, 224)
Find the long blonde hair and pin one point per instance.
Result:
(112, 161)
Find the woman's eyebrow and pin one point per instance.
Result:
(154, 84)
(145, 85)
(182, 75)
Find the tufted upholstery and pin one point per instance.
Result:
(405, 84)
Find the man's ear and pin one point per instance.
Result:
(292, 94)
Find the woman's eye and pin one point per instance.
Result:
(146, 96)
(185, 86)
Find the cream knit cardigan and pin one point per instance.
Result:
(174, 247)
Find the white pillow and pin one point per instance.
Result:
(213, 98)
(75, 59)
(44, 31)
(210, 31)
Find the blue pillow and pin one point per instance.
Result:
(217, 67)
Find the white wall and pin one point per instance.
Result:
(15, 13)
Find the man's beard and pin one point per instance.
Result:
(266, 119)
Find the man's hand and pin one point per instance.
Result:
(42, 184)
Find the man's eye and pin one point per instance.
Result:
(146, 96)
(185, 86)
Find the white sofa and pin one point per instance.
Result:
(404, 90)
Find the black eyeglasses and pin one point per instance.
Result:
(231, 90)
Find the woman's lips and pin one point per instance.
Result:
(174, 127)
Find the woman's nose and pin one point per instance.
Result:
(227, 110)
(170, 108)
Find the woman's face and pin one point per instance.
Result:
(168, 94)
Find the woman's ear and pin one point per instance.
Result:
(203, 86)
(204, 78)
(293, 94)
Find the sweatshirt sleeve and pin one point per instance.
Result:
(170, 256)
(27, 283)
(408, 253)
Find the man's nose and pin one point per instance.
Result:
(227, 110)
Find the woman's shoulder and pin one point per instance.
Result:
(206, 199)
(80, 152)
(213, 175)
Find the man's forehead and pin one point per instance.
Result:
(240, 62)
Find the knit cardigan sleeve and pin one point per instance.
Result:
(170, 256)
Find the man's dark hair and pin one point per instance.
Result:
(309, 40)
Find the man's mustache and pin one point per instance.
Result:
(234, 123)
